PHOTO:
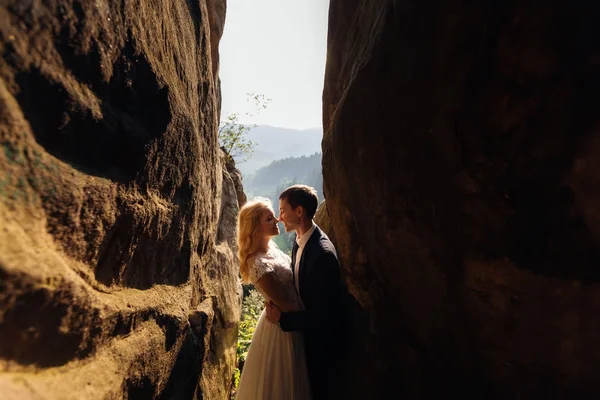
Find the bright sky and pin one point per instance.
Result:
(276, 48)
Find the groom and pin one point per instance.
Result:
(325, 319)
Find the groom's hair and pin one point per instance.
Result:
(301, 195)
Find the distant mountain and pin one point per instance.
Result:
(287, 171)
(273, 143)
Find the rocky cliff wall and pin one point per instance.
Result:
(460, 163)
(117, 269)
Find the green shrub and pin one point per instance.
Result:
(252, 307)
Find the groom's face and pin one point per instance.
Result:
(288, 216)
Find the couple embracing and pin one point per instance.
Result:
(298, 348)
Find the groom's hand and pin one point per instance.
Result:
(273, 312)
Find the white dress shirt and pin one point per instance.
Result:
(301, 241)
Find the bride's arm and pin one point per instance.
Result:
(330, 303)
(276, 292)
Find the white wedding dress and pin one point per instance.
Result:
(275, 367)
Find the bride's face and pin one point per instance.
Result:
(268, 223)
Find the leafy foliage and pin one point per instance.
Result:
(233, 135)
(252, 307)
(235, 381)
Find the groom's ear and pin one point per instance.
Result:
(300, 211)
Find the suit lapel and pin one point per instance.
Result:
(294, 253)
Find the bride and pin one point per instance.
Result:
(275, 366)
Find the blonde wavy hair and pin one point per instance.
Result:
(248, 232)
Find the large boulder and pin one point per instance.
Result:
(460, 162)
(116, 279)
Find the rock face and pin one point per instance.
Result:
(460, 164)
(117, 270)
(322, 219)
(236, 177)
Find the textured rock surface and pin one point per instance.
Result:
(461, 164)
(110, 202)
(236, 176)
(322, 219)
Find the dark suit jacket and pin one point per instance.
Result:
(326, 317)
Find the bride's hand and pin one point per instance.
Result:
(273, 312)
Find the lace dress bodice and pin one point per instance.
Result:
(280, 265)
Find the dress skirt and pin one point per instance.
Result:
(275, 366)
